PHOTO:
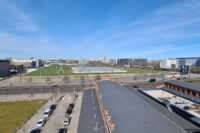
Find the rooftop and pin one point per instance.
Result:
(130, 113)
(192, 86)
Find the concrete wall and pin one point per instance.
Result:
(25, 80)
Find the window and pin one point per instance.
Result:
(193, 93)
(188, 92)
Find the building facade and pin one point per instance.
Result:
(176, 63)
(5, 68)
(169, 63)
(141, 62)
(191, 62)
(125, 61)
(113, 62)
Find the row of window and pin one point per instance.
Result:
(183, 90)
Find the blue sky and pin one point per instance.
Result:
(89, 29)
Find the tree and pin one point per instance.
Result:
(196, 70)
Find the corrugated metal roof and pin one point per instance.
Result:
(195, 87)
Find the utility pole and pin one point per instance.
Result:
(40, 77)
(189, 71)
(20, 76)
(140, 72)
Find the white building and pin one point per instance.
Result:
(103, 59)
(28, 63)
(112, 61)
(169, 63)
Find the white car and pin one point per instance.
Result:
(47, 113)
(41, 123)
(66, 121)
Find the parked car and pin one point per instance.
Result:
(35, 131)
(47, 113)
(41, 123)
(66, 121)
(63, 130)
(152, 80)
(69, 111)
(71, 105)
(53, 107)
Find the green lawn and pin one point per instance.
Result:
(51, 71)
(14, 114)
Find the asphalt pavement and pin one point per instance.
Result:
(91, 120)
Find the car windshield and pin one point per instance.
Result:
(46, 113)
(39, 122)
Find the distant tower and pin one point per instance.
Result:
(103, 59)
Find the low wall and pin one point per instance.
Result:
(68, 78)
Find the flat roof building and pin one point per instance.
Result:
(187, 90)
(130, 113)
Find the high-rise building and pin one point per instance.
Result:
(103, 59)
(112, 61)
(125, 61)
(5, 68)
(141, 62)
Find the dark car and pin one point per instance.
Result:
(71, 105)
(53, 107)
(152, 80)
(36, 131)
(69, 111)
(63, 130)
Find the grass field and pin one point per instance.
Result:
(15, 114)
(51, 71)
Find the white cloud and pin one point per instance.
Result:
(40, 47)
(16, 18)
(176, 22)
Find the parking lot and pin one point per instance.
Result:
(56, 119)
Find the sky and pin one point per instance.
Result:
(89, 29)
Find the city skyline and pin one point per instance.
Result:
(90, 29)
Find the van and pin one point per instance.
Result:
(47, 113)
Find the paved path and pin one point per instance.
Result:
(91, 120)
(72, 128)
